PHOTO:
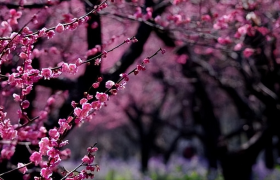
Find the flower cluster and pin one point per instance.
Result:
(19, 83)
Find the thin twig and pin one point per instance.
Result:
(16, 169)
(72, 171)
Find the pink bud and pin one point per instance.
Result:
(95, 85)
(109, 84)
(59, 28)
(25, 104)
(146, 60)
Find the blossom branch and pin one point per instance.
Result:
(81, 164)
(16, 169)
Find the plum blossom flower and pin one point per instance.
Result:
(36, 157)
(86, 159)
(109, 84)
(248, 52)
(146, 60)
(54, 133)
(63, 125)
(124, 76)
(16, 97)
(96, 105)
(7, 152)
(50, 101)
(73, 68)
(47, 73)
(44, 145)
(82, 113)
(52, 152)
(23, 170)
(238, 46)
(59, 28)
(92, 149)
(140, 68)
(50, 34)
(102, 97)
(46, 172)
(95, 85)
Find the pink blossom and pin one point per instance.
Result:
(127, 40)
(54, 133)
(238, 47)
(46, 172)
(73, 104)
(53, 50)
(104, 54)
(74, 25)
(83, 100)
(43, 114)
(92, 149)
(52, 152)
(157, 19)
(96, 105)
(86, 106)
(55, 161)
(50, 34)
(135, 71)
(124, 76)
(94, 25)
(182, 59)
(95, 85)
(78, 62)
(63, 125)
(36, 53)
(138, 13)
(82, 113)
(7, 152)
(44, 145)
(86, 160)
(243, 29)
(97, 62)
(42, 32)
(24, 169)
(23, 55)
(206, 18)
(73, 68)
(146, 60)
(77, 111)
(109, 84)
(113, 92)
(89, 97)
(102, 97)
(224, 41)
(59, 28)
(11, 79)
(140, 68)
(27, 90)
(36, 157)
(99, 79)
(17, 97)
(47, 73)
(25, 104)
(263, 30)
(63, 143)
(248, 52)
(50, 101)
